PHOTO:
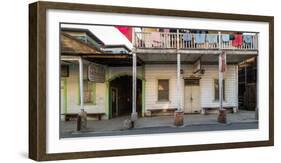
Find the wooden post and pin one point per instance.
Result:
(80, 61)
(257, 89)
(134, 114)
(179, 113)
(82, 116)
(221, 68)
(134, 89)
(178, 74)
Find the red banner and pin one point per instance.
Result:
(126, 31)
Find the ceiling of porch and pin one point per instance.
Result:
(189, 57)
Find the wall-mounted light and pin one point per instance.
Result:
(181, 71)
(202, 71)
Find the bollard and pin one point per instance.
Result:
(222, 116)
(179, 118)
(82, 121)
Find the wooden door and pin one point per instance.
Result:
(192, 96)
(188, 99)
(195, 98)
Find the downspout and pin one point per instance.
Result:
(81, 84)
(82, 116)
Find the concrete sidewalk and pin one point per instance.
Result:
(165, 123)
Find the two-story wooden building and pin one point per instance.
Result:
(163, 71)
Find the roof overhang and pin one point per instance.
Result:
(113, 60)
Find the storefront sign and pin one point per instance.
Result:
(96, 73)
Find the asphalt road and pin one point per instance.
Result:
(167, 129)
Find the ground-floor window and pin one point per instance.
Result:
(163, 90)
(216, 85)
(89, 92)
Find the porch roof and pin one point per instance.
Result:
(113, 60)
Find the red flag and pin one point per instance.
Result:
(222, 62)
(126, 31)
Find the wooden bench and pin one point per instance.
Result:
(152, 112)
(73, 116)
(208, 109)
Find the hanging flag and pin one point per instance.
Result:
(126, 31)
(222, 62)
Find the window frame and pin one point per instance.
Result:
(163, 100)
(214, 87)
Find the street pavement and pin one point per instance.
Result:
(161, 124)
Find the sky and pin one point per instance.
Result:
(107, 34)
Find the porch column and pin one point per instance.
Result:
(134, 115)
(80, 61)
(257, 88)
(178, 82)
(221, 89)
(221, 68)
(179, 113)
(178, 74)
(82, 116)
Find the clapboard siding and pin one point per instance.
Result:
(152, 74)
(168, 71)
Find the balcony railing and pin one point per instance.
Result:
(194, 41)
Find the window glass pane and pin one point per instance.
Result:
(163, 89)
(216, 85)
(87, 91)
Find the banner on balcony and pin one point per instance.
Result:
(222, 62)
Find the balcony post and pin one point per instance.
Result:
(179, 113)
(178, 74)
(220, 42)
(134, 114)
(221, 68)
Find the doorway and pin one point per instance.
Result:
(114, 101)
(120, 101)
(192, 96)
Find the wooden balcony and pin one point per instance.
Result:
(162, 47)
(191, 41)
